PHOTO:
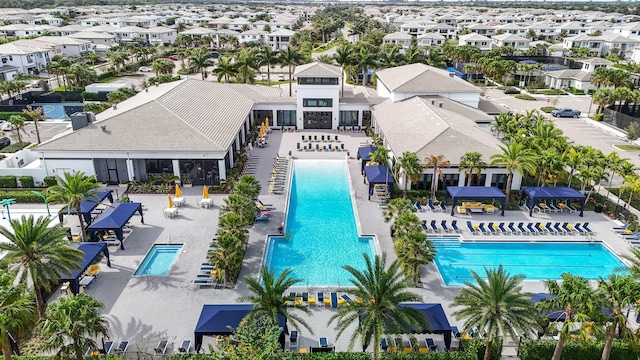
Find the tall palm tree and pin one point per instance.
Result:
(515, 158)
(619, 294)
(18, 123)
(71, 190)
(268, 296)
(17, 311)
(396, 207)
(577, 302)
(290, 57)
(247, 61)
(39, 253)
(36, 115)
(438, 163)
(227, 254)
(631, 184)
(407, 168)
(344, 58)
(366, 61)
(268, 57)
(379, 291)
(496, 305)
(249, 186)
(380, 156)
(471, 163)
(71, 324)
(226, 69)
(200, 60)
(414, 249)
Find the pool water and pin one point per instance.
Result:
(321, 229)
(59, 111)
(159, 260)
(534, 260)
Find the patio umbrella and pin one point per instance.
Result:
(178, 192)
(205, 192)
(266, 122)
(170, 201)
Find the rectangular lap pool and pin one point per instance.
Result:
(535, 260)
(159, 260)
(322, 235)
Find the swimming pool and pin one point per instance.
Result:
(159, 260)
(535, 260)
(322, 235)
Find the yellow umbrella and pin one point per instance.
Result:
(178, 192)
(170, 201)
(266, 121)
(205, 192)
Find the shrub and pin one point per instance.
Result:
(26, 181)
(8, 181)
(524, 97)
(598, 117)
(476, 346)
(21, 196)
(186, 71)
(96, 108)
(576, 350)
(106, 75)
(550, 92)
(50, 181)
(575, 91)
(547, 109)
(164, 78)
(15, 147)
(5, 115)
(90, 96)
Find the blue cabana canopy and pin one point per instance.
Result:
(87, 205)
(91, 252)
(378, 175)
(363, 155)
(437, 320)
(115, 218)
(536, 194)
(475, 192)
(222, 319)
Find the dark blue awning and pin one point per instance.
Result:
(115, 218)
(364, 155)
(475, 192)
(436, 318)
(378, 175)
(87, 205)
(91, 252)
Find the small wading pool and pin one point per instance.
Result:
(159, 260)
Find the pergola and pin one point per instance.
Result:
(475, 192)
(364, 155)
(552, 193)
(115, 219)
(91, 252)
(87, 206)
(378, 175)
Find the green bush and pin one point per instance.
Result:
(90, 96)
(550, 92)
(476, 346)
(598, 117)
(575, 91)
(164, 78)
(454, 355)
(186, 71)
(524, 97)
(5, 115)
(8, 181)
(547, 109)
(21, 196)
(15, 147)
(26, 181)
(106, 75)
(50, 181)
(96, 108)
(576, 350)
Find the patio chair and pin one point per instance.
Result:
(630, 234)
(318, 148)
(454, 226)
(320, 297)
(585, 227)
(322, 342)
(383, 345)
(560, 230)
(425, 227)
(334, 300)
(531, 229)
(433, 226)
(342, 147)
(315, 138)
(471, 228)
(322, 138)
(185, 347)
(418, 206)
(455, 332)
(431, 344)
(571, 209)
(443, 206)
(431, 206)
(521, 229)
(491, 228)
(346, 298)
(293, 340)
(162, 347)
(502, 228)
(579, 229)
(336, 138)
(482, 229)
(620, 229)
(444, 226)
(108, 347)
(262, 218)
(539, 228)
(392, 345)
(550, 228)
(122, 348)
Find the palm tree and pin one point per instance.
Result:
(71, 190)
(18, 123)
(71, 323)
(290, 57)
(515, 158)
(471, 163)
(200, 60)
(496, 305)
(241, 206)
(414, 249)
(268, 57)
(225, 69)
(396, 207)
(380, 156)
(39, 253)
(365, 61)
(227, 254)
(619, 294)
(268, 296)
(576, 300)
(35, 115)
(407, 168)
(246, 61)
(18, 311)
(344, 58)
(378, 291)
(631, 183)
(438, 163)
(248, 186)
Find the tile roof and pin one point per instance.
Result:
(317, 69)
(421, 78)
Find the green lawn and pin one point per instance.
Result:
(627, 147)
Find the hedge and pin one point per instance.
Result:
(106, 75)
(5, 115)
(26, 181)
(50, 181)
(576, 350)
(90, 96)
(24, 196)
(453, 355)
(16, 147)
(8, 181)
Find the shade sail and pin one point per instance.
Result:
(91, 253)
(222, 319)
(475, 192)
(537, 194)
(378, 175)
(436, 318)
(363, 155)
(87, 205)
(115, 218)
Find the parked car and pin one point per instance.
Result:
(4, 142)
(173, 57)
(6, 126)
(144, 69)
(281, 77)
(565, 112)
(512, 91)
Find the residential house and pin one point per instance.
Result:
(446, 30)
(416, 28)
(279, 38)
(515, 41)
(397, 38)
(482, 29)
(127, 34)
(252, 35)
(480, 41)
(511, 28)
(26, 57)
(159, 35)
(575, 78)
(237, 24)
(24, 30)
(431, 40)
(102, 41)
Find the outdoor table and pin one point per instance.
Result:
(206, 203)
(179, 201)
(475, 210)
(170, 212)
(87, 280)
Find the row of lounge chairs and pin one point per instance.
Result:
(410, 345)
(332, 300)
(443, 226)
(552, 207)
(185, 347)
(318, 147)
(111, 348)
(352, 128)
(530, 228)
(442, 206)
(293, 341)
(251, 165)
(633, 237)
(278, 175)
(322, 138)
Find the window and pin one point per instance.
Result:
(286, 118)
(349, 117)
(499, 180)
(317, 102)
(317, 81)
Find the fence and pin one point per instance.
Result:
(618, 119)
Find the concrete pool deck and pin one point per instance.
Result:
(145, 310)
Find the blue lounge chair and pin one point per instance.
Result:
(455, 332)
(321, 299)
(425, 227)
(419, 207)
(122, 348)
(108, 346)
(185, 347)
(559, 229)
(471, 228)
(502, 229)
(383, 345)
(454, 226)
(444, 226)
(323, 342)
(342, 147)
(262, 218)
(585, 227)
(550, 228)
(433, 226)
(334, 300)
(630, 235)
(491, 229)
(431, 344)
(346, 298)
(532, 231)
(482, 229)
(293, 339)
(431, 206)
(620, 229)
(162, 347)
(579, 229)
(567, 229)
(539, 228)
(443, 206)
(571, 208)
(512, 228)
(522, 229)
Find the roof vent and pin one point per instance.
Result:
(115, 106)
(452, 75)
(440, 104)
(433, 101)
(103, 127)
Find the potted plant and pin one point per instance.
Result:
(187, 182)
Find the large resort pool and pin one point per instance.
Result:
(535, 260)
(321, 232)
